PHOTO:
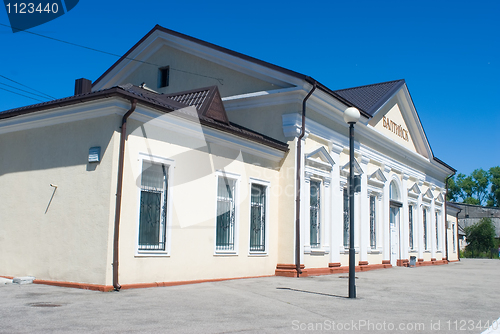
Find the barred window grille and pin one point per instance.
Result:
(315, 201)
(425, 227)
(225, 214)
(410, 223)
(373, 225)
(437, 230)
(258, 218)
(153, 210)
(346, 218)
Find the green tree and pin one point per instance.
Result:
(480, 236)
(475, 188)
(494, 197)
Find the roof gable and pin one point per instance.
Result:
(146, 53)
(207, 101)
(370, 98)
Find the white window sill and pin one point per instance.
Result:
(318, 251)
(374, 251)
(152, 254)
(257, 254)
(226, 253)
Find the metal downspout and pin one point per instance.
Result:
(121, 158)
(297, 199)
(446, 216)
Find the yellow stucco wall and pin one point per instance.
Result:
(192, 233)
(66, 237)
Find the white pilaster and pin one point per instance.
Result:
(405, 232)
(420, 224)
(364, 210)
(385, 222)
(336, 230)
(433, 223)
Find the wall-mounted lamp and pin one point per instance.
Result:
(95, 154)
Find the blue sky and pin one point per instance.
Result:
(448, 53)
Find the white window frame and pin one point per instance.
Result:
(414, 206)
(437, 227)
(237, 178)
(425, 228)
(143, 157)
(320, 214)
(266, 184)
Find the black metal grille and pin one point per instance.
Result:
(225, 214)
(373, 232)
(315, 201)
(425, 227)
(410, 227)
(258, 218)
(152, 216)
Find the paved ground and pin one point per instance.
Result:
(461, 297)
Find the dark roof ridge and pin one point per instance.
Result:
(369, 98)
(369, 85)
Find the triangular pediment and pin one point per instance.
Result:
(378, 175)
(357, 168)
(414, 189)
(440, 198)
(319, 158)
(428, 194)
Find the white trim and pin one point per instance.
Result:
(168, 224)
(237, 178)
(267, 184)
(66, 114)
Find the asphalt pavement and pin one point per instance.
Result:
(460, 297)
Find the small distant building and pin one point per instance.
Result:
(471, 214)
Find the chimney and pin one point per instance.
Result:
(83, 86)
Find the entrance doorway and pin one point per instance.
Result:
(394, 235)
(394, 223)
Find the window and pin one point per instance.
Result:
(163, 76)
(454, 235)
(424, 211)
(373, 231)
(226, 214)
(315, 200)
(153, 207)
(346, 218)
(410, 224)
(437, 230)
(258, 218)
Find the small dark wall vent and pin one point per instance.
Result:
(83, 86)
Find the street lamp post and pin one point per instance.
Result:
(351, 116)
